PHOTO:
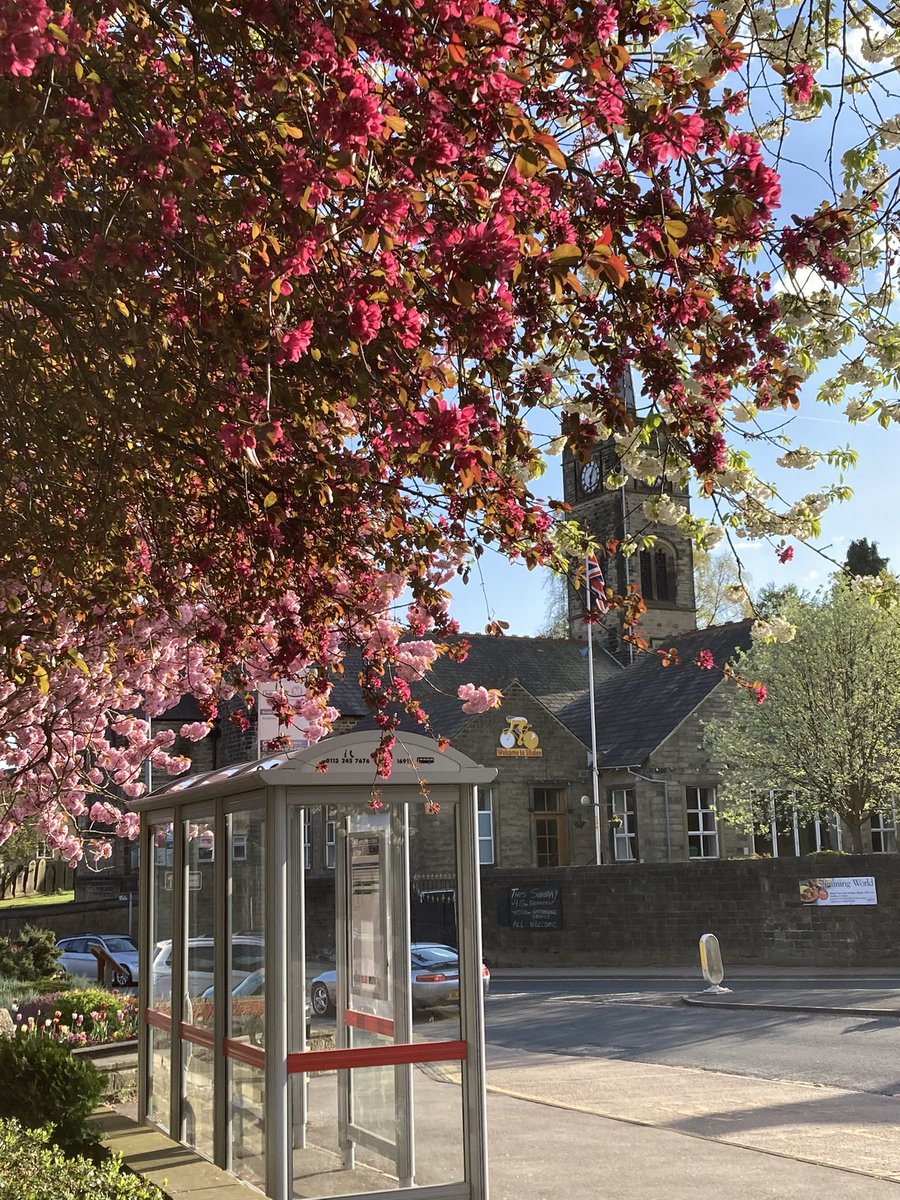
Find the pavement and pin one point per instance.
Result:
(683, 1132)
(586, 1128)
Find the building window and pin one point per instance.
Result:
(239, 847)
(623, 825)
(658, 574)
(486, 826)
(43, 851)
(884, 832)
(307, 840)
(703, 834)
(330, 828)
(549, 827)
(775, 830)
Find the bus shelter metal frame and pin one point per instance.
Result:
(273, 785)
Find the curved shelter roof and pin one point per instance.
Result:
(346, 759)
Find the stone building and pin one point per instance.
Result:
(663, 573)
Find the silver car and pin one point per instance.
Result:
(434, 977)
(75, 956)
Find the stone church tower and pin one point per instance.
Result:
(664, 574)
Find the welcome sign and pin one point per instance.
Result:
(848, 889)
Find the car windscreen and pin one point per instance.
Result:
(120, 945)
(434, 954)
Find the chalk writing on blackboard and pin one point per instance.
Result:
(535, 908)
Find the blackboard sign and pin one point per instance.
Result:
(535, 908)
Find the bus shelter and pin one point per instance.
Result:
(367, 1098)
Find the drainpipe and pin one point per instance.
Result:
(665, 783)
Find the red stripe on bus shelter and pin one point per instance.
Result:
(376, 1056)
(253, 1056)
(159, 1020)
(196, 1034)
(370, 1023)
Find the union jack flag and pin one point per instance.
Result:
(596, 587)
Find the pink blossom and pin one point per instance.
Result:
(673, 136)
(799, 84)
(295, 342)
(478, 699)
(194, 731)
(760, 692)
(414, 659)
(365, 320)
(22, 35)
(705, 660)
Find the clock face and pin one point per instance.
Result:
(590, 476)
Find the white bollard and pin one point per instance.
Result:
(711, 964)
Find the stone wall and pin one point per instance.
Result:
(654, 915)
(72, 919)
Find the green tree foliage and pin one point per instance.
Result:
(29, 954)
(556, 607)
(34, 1169)
(773, 600)
(44, 1084)
(828, 729)
(863, 558)
(720, 589)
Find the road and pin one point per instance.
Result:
(641, 1020)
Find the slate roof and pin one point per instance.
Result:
(554, 670)
(637, 710)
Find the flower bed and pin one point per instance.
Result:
(87, 1017)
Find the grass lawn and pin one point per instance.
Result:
(35, 901)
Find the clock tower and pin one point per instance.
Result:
(663, 574)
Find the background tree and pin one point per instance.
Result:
(863, 558)
(721, 589)
(828, 730)
(556, 607)
(774, 599)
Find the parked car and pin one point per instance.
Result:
(248, 1007)
(75, 956)
(434, 976)
(247, 955)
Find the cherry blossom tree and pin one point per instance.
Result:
(283, 283)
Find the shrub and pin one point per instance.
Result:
(29, 954)
(43, 1084)
(80, 1017)
(23, 990)
(34, 1169)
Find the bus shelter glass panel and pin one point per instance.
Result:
(246, 1014)
(197, 1040)
(378, 1102)
(159, 1086)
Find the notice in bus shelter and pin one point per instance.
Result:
(848, 889)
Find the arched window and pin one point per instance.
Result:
(658, 577)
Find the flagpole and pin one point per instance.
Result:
(595, 769)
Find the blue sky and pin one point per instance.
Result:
(510, 592)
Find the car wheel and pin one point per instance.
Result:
(320, 1000)
(122, 978)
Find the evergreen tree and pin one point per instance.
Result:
(863, 558)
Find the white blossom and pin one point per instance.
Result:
(774, 629)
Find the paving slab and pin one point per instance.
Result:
(853, 1131)
(178, 1171)
(536, 1154)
